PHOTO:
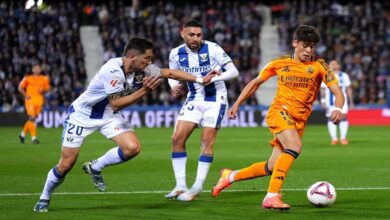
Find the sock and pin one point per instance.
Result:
(343, 129)
(54, 179)
(253, 171)
(282, 166)
(179, 161)
(204, 164)
(111, 157)
(332, 128)
(33, 130)
(26, 128)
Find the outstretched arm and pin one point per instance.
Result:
(247, 92)
(336, 114)
(231, 72)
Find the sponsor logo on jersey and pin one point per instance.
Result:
(113, 82)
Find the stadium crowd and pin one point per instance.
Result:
(233, 25)
(356, 34)
(49, 37)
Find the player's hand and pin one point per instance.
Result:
(178, 90)
(209, 76)
(151, 82)
(336, 116)
(232, 113)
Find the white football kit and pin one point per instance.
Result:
(344, 83)
(91, 111)
(205, 105)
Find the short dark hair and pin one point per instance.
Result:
(193, 23)
(138, 44)
(307, 34)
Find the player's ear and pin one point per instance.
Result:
(182, 34)
(294, 43)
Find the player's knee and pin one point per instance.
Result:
(131, 149)
(177, 140)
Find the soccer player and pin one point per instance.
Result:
(33, 87)
(119, 83)
(299, 80)
(328, 103)
(205, 106)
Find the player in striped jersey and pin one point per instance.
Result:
(205, 105)
(119, 83)
(328, 103)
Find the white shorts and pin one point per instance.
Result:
(203, 113)
(76, 128)
(329, 110)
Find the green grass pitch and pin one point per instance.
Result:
(359, 171)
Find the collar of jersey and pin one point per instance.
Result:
(188, 50)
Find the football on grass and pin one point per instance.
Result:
(321, 194)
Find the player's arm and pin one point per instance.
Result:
(247, 92)
(118, 100)
(153, 70)
(230, 72)
(336, 114)
(350, 96)
(22, 87)
(322, 97)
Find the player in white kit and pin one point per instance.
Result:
(205, 106)
(119, 83)
(327, 102)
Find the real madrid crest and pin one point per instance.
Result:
(310, 70)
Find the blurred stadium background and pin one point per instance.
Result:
(72, 39)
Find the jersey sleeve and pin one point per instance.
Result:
(174, 65)
(46, 85)
(24, 83)
(347, 80)
(327, 75)
(268, 71)
(221, 56)
(152, 70)
(113, 80)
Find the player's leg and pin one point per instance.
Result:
(332, 128)
(56, 176)
(33, 129)
(30, 121)
(344, 125)
(128, 146)
(183, 130)
(291, 141)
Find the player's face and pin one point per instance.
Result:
(192, 37)
(135, 62)
(334, 66)
(303, 50)
(36, 69)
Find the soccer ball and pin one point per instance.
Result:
(321, 194)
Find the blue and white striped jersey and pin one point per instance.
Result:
(93, 103)
(344, 83)
(199, 63)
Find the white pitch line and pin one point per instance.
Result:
(162, 192)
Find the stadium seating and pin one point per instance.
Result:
(356, 34)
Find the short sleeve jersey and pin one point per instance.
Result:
(298, 84)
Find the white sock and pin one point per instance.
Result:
(332, 128)
(232, 175)
(179, 161)
(343, 129)
(112, 157)
(22, 134)
(203, 169)
(53, 180)
(271, 194)
(33, 137)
